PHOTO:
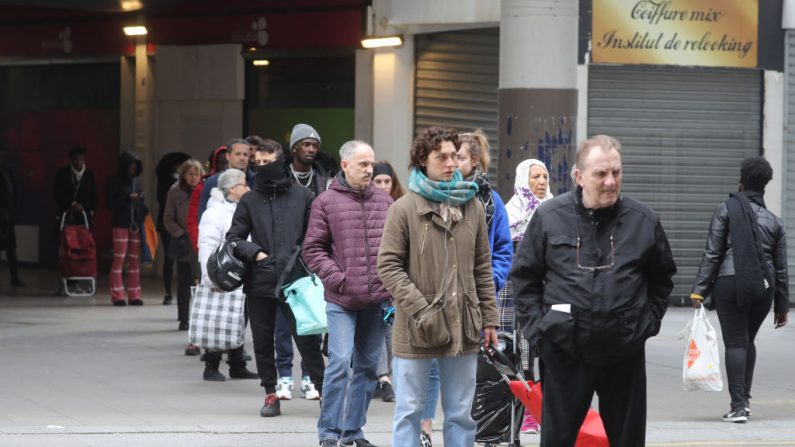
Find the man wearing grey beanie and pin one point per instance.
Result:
(304, 147)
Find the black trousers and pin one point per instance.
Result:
(568, 386)
(184, 282)
(234, 358)
(739, 328)
(168, 262)
(262, 318)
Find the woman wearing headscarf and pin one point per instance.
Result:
(531, 189)
(745, 269)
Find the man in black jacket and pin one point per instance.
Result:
(592, 278)
(275, 213)
(74, 187)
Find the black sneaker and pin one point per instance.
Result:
(358, 443)
(329, 443)
(242, 372)
(271, 407)
(120, 303)
(167, 300)
(387, 393)
(211, 374)
(737, 415)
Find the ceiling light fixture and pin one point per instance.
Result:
(382, 41)
(261, 63)
(135, 30)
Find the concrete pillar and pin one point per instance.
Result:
(363, 102)
(144, 114)
(773, 140)
(393, 105)
(199, 98)
(538, 88)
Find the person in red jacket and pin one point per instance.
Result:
(218, 163)
(341, 246)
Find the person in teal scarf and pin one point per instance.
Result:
(435, 261)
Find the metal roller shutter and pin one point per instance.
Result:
(684, 132)
(789, 153)
(456, 82)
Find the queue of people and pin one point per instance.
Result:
(584, 276)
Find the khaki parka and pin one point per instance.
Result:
(439, 275)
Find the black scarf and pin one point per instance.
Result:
(752, 273)
(272, 178)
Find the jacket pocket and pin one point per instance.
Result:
(558, 328)
(565, 248)
(429, 328)
(473, 319)
(263, 278)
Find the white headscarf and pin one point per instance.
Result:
(524, 203)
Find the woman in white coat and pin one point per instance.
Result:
(214, 224)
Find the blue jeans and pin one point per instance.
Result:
(457, 383)
(433, 393)
(354, 339)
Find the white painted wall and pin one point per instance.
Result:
(773, 139)
(788, 15)
(393, 105)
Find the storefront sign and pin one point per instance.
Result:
(717, 33)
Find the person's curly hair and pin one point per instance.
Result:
(431, 140)
(755, 173)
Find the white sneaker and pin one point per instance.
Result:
(308, 388)
(284, 388)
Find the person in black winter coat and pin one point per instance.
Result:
(74, 187)
(745, 269)
(275, 214)
(123, 195)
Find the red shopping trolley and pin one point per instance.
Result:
(77, 256)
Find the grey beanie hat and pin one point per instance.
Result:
(302, 131)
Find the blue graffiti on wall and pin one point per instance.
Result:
(554, 149)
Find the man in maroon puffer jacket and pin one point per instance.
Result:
(341, 246)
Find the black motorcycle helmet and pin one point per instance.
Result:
(225, 270)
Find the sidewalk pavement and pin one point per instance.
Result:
(80, 372)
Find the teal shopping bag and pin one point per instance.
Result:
(305, 298)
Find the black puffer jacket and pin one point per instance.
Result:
(276, 222)
(718, 257)
(613, 310)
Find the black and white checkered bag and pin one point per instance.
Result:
(216, 318)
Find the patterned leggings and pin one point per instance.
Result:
(125, 244)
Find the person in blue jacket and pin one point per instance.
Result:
(473, 162)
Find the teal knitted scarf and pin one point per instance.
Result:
(454, 192)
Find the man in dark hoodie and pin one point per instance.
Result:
(125, 198)
(341, 246)
(275, 214)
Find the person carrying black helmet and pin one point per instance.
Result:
(275, 215)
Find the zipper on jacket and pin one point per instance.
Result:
(424, 236)
(367, 251)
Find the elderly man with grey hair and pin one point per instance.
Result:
(341, 246)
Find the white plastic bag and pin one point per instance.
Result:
(701, 363)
